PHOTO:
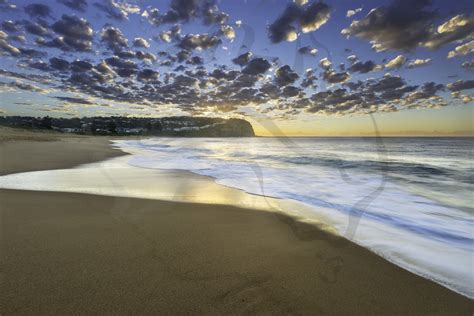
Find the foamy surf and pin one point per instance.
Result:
(403, 202)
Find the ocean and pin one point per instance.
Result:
(408, 199)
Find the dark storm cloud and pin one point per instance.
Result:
(38, 10)
(461, 85)
(199, 41)
(114, 38)
(78, 5)
(407, 24)
(256, 66)
(295, 18)
(285, 76)
(77, 33)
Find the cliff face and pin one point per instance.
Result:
(206, 127)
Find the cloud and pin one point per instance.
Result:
(10, 26)
(117, 10)
(242, 59)
(407, 24)
(148, 75)
(14, 85)
(227, 31)
(123, 67)
(307, 50)
(38, 10)
(5, 47)
(76, 32)
(171, 34)
(285, 76)
(463, 49)
(113, 38)
(401, 25)
(140, 42)
(199, 41)
(418, 63)
(428, 90)
(256, 66)
(335, 77)
(396, 62)
(301, 2)
(458, 28)
(469, 65)
(363, 67)
(78, 5)
(295, 18)
(350, 13)
(314, 16)
(81, 66)
(185, 10)
(5, 6)
(35, 28)
(461, 85)
(59, 63)
(325, 63)
(74, 100)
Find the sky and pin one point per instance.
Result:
(295, 68)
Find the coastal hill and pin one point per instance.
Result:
(184, 126)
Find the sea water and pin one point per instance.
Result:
(410, 200)
(407, 199)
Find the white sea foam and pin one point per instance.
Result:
(355, 186)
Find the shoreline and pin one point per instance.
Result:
(223, 258)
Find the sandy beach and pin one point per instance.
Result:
(69, 253)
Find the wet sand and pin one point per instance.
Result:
(80, 253)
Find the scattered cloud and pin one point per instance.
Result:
(350, 13)
(396, 62)
(297, 18)
(418, 63)
(78, 5)
(462, 50)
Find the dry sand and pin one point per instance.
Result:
(76, 253)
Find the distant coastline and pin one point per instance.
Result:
(180, 126)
